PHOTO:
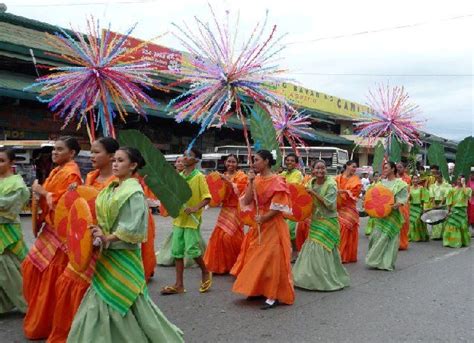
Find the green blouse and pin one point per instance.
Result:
(439, 192)
(122, 211)
(399, 189)
(13, 196)
(328, 191)
(458, 197)
(419, 195)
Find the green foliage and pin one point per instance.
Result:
(170, 188)
(415, 150)
(263, 133)
(436, 156)
(464, 157)
(379, 154)
(395, 150)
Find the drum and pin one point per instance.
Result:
(378, 201)
(217, 187)
(88, 193)
(434, 216)
(79, 236)
(301, 203)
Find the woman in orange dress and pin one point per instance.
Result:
(404, 209)
(47, 258)
(148, 247)
(226, 239)
(349, 187)
(72, 285)
(302, 229)
(263, 267)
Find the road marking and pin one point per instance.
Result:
(449, 255)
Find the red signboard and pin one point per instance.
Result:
(163, 58)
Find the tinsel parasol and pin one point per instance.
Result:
(102, 77)
(393, 117)
(291, 126)
(224, 78)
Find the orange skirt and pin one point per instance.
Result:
(222, 250)
(349, 223)
(148, 249)
(302, 232)
(405, 209)
(263, 266)
(39, 289)
(70, 289)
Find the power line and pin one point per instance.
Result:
(382, 75)
(126, 2)
(399, 27)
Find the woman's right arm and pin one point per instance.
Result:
(249, 191)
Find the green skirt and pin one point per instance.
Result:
(369, 227)
(418, 229)
(456, 231)
(164, 258)
(383, 251)
(97, 322)
(11, 283)
(292, 229)
(437, 231)
(318, 269)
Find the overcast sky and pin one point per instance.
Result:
(434, 61)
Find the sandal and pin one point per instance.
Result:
(170, 290)
(206, 285)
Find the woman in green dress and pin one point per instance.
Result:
(385, 239)
(117, 307)
(456, 231)
(319, 265)
(438, 192)
(13, 196)
(418, 197)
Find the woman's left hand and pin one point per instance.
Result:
(259, 219)
(97, 232)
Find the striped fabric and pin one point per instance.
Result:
(229, 220)
(348, 217)
(119, 278)
(418, 231)
(42, 252)
(325, 231)
(11, 239)
(390, 225)
(456, 232)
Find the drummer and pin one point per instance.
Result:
(292, 175)
(72, 285)
(13, 196)
(47, 258)
(385, 238)
(456, 232)
(226, 239)
(438, 193)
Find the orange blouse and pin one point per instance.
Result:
(239, 183)
(91, 180)
(57, 183)
(351, 184)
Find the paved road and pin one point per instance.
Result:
(429, 298)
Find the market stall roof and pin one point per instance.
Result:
(14, 84)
